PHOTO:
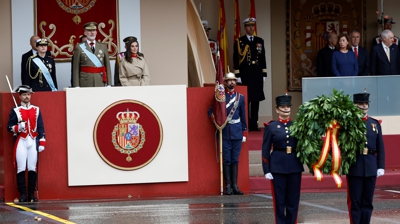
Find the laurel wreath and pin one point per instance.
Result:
(312, 121)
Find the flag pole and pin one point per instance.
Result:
(220, 163)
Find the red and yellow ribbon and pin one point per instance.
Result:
(331, 139)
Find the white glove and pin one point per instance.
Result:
(41, 148)
(380, 172)
(244, 139)
(263, 79)
(108, 85)
(239, 80)
(21, 126)
(269, 176)
(77, 87)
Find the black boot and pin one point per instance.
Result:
(235, 188)
(32, 177)
(227, 177)
(21, 186)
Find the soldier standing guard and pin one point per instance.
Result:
(232, 134)
(27, 125)
(369, 165)
(280, 163)
(41, 69)
(387, 25)
(251, 69)
(214, 47)
(91, 62)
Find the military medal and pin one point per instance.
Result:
(365, 151)
(278, 126)
(288, 149)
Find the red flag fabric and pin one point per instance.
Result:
(222, 38)
(252, 14)
(236, 32)
(219, 108)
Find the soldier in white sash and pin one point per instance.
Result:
(41, 69)
(91, 61)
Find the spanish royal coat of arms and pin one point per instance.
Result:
(128, 136)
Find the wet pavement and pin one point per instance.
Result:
(321, 207)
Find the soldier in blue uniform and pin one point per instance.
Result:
(232, 134)
(369, 165)
(251, 69)
(280, 163)
(41, 69)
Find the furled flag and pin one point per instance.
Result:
(236, 31)
(252, 14)
(219, 108)
(222, 38)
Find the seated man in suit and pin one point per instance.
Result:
(384, 59)
(360, 52)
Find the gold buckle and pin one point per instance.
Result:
(253, 62)
(288, 149)
(365, 151)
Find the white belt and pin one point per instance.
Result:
(234, 121)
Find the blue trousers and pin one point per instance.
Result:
(231, 151)
(360, 193)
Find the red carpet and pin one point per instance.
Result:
(255, 139)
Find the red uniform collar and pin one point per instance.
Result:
(365, 118)
(134, 56)
(284, 121)
(230, 92)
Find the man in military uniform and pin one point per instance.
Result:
(232, 134)
(26, 123)
(41, 69)
(25, 57)
(91, 62)
(121, 55)
(251, 69)
(214, 47)
(369, 165)
(387, 25)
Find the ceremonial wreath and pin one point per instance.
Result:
(329, 122)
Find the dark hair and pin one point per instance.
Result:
(348, 47)
(128, 53)
(81, 38)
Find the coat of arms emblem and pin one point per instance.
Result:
(128, 136)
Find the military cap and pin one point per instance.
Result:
(127, 39)
(205, 25)
(361, 97)
(42, 42)
(90, 26)
(283, 100)
(23, 89)
(230, 76)
(386, 20)
(249, 21)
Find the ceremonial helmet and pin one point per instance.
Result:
(23, 89)
(230, 76)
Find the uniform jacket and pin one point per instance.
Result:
(367, 165)
(24, 60)
(379, 62)
(277, 135)
(250, 65)
(363, 61)
(35, 78)
(135, 73)
(83, 79)
(378, 40)
(324, 62)
(235, 131)
(117, 82)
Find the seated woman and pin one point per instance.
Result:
(344, 61)
(133, 69)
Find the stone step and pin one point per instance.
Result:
(255, 170)
(255, 157)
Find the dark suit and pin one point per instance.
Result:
(324, 62)
(363, 61)
(35, 78)
(379, 63)
(362, 174)
(24, 60)
(286, 169)
(251, 67)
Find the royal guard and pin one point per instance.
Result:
(387, 25)
(369, 165)
(41, 69)
(25, 122)
(251, 69)
(214, 47)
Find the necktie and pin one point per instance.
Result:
(356, 52)
(92, 46)
(251, 39)
(387, 53)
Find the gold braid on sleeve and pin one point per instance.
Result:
(29, 67)
(242, 55)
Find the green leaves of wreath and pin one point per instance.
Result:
(314, 118)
